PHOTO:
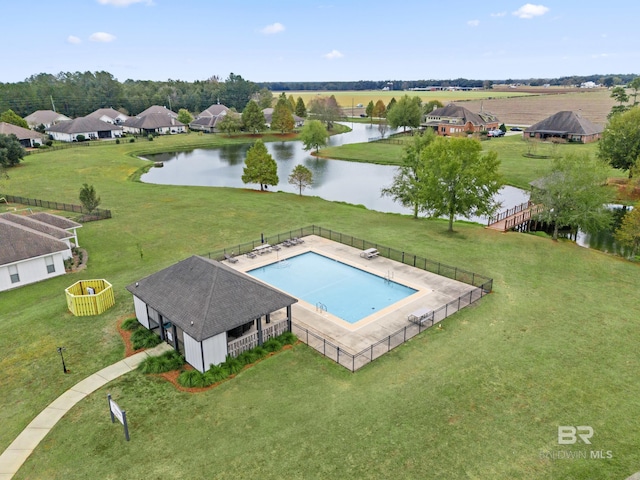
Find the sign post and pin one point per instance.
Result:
(116, 412)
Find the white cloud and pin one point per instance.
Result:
(499, 14)
(473, 23)
(102, 37)
(273, 28)
(600, 55)
(73, 39)
(529, 11)
(333, 54)
(123, 3)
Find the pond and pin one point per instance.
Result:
(334, 180)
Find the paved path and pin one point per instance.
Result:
(18, 452)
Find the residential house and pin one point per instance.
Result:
(268, 114)
(47, 118)
(457, 120)
(32, 250)
(109, 115)
(27, 138)
(154, 123)
(209, 118)
(204, 309)
(90, 128)
(158, 109)
(566, 125)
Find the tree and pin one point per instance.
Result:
(88, 198)
(379, 109)
(572, 193)
(236, 91)
(260, 167)
(264, 98)
(430, 106)
(634, 85)
(406, 187)
(301, 109)
(292, 103)
(325, 109)
(231, 122)
(184, 116)
(11, 152)
(313, 135)
(620, 142)
(628, 235)
(391, 103)
(9, 116)
(253, 118)
(301, 177)
(457, 179)
(282, 118)
(619, 94)
(407, 112)
(369, 110)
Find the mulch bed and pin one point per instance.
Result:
(172, 377)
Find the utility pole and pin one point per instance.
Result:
(52, 104)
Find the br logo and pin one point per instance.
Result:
(568, 435)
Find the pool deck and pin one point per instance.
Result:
(433, 292)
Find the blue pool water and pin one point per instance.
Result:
(347, 292)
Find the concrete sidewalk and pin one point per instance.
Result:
(18, 452)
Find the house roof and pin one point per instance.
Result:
(157, 109)
(21, 133)
(268, 114)
(566, 122)
(204, 297)
(456, 111)
(55, 220)
(45, 117)
(18, 242)
(214, 110)
(82, 125)
(109, 112)
(37, 225)
(151, 121)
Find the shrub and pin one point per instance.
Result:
(272, 345)
(150, 137)
(288, 338)
(117, 141)
(131, 324)
(260, 352)
(232, 364)
(192, 378)
(80, 138)
(216, 373)
(248, 357)
(131, 140)
(48, 143)
(164, 363)
(143, 338)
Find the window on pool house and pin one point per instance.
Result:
(13, 273)
(50, 265)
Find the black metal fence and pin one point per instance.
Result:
(353, 362)
(97, 214)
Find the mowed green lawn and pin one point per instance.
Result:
(554, 344)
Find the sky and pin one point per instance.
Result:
(326, 40)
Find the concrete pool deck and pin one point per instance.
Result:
(433, 292)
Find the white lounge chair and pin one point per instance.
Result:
(369, 253)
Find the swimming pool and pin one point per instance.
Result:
(345, 291)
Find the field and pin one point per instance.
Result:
(554, 344)
(517, 106)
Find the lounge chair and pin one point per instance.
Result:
(287, 243)
(369, 253)
(298, 240)
(275, 247)
(251, 255)
(230, 259)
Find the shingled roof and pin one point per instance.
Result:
(19, 132)
(566, 122)
(18, 242)
(108, 112)
(55, 220)
(151, 121)
(37, 225)
(82, 125)
(466, 116)
(204, 297)
(45, 117)
(158, 109)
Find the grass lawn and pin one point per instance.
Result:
(555, 344)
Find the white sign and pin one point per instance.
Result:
(116, 410)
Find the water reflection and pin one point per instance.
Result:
(233, 154)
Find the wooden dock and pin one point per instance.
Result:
(516, 218)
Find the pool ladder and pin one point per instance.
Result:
(321, 307)
(389, 277)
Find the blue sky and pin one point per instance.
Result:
(302, 40)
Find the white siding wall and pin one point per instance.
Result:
(215, 349)
(192, 353)
(30, 271)
(141, 311)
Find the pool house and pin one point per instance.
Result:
(207, 310)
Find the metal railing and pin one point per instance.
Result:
(97, 214)
(507, 213)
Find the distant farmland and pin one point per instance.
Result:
(513, 106)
